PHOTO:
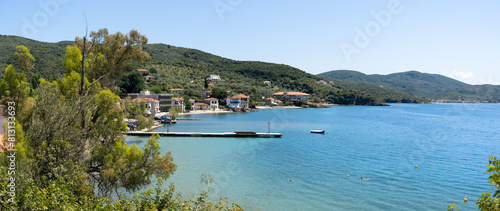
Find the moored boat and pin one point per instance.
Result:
(317, 131)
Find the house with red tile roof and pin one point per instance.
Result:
(213, 78)
(150, 77)
(213, 103)
(238, 101)
(176, 90)
(141, 70)
(292, 96)
(152, 105)
(201, 106)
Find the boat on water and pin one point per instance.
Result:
(317, 131)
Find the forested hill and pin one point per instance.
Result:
(432, 86)
(177, 67)
(48, 56)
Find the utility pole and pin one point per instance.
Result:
(268, 127)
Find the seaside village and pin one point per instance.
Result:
(165, 108)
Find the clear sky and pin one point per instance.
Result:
(456, 38)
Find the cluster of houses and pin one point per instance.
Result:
(156, 103)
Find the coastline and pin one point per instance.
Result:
(276, 107)
(205, 112)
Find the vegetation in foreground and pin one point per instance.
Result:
(70, 153)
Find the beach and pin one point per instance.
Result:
(205, 112)
(276, 107)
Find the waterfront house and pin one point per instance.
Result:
(152, 105)
(238, 101)
(201, 106)
(213, 103)
(179, 103)
(292, 96)
(213, 78)
(177, 91)
(192, 101)
(166, 102)
(279, 102)
(268, 83)
(270, 102)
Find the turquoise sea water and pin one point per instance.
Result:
(450, 143)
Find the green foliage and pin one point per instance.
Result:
(452, 207)
(73, 60)
(430, 86)
(13, 88)
(25, 61)
(188, 106)
(174, 112)
(113, 55)
(487, 201)
(132, 82)
(186, 68)
(219, 93)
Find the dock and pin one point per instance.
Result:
(198, 134)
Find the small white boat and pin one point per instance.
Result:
(317, 131)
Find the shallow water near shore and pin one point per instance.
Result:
(450, 144)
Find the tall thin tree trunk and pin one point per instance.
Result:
(82, 92)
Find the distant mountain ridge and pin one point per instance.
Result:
(432, 86)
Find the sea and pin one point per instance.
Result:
(411, 156)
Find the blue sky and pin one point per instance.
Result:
(459, 38)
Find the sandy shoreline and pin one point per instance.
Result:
(276, 107)
(205, 112)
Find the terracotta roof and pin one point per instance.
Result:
(200, 104)
(176, 89)
(149, 76)
(279, 101)
(142, 70)
(139, 100)
(269, 98)
(211, 98)
(214, 75)
(239, 96)
(290, 93)
(191, 99)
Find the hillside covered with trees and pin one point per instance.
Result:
(431, 86)
(177, 67)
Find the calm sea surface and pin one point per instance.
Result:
(450, 144)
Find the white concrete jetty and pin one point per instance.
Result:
(237, 134)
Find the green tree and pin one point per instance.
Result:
(132, 82)
(188, 106)
(25, 61)
(488, 201)
(112, 55)
(13, 88)
(174, 112)
(73, 60)
(219, 93)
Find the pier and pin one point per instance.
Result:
(236, 134)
